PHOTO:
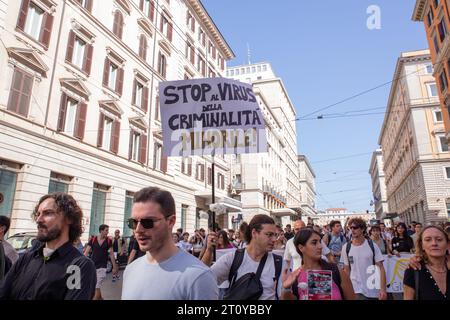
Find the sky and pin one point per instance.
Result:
(325, 53)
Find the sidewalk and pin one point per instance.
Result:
(112, 290)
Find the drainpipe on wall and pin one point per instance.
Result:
(52, 79)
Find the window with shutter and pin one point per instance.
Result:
(118, 24)
(157, 108)
(88, 59)
(189, 167)
(190, 21)
(162, 65)
(20, 93)
(34, 21)
(166, 27)
(70, 120)
(62, 112)
(200, 174)
(145, 94)
(87, 4)
(157, 156)
(105, 133)
(115, 136)
(135, 139)
(209, 176)
(119, 82)
(46, 31)
(169, 31)
(143, 47)
(151, 13)
(164, 162)
(23, 14)
(190, 52)
(113, 71)
(70, 46)
(79, 53)
(101, 125)
(138, 94)
(148, 8)
(81, 121)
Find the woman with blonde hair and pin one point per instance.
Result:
(432, 281)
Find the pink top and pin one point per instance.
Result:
(230, 246)
(335, 292)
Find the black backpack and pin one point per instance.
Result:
(249, 287)
(371, 245)
(336, 275)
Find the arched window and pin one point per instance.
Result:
(143, 47)
(118, 24)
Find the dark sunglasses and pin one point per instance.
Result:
(146, 223)
(355, 227)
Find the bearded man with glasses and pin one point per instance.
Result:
(165, 272)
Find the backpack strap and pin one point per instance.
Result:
(416, 284)
(294, 289)
(347, 251)
(373, 250)
(237, 261)
(278, 261)
(261, 266)
(91, 242)
(329, 239)
(2, 261)
(336, 275)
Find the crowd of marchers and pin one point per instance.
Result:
(263, 261)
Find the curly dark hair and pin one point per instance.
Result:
(66, 205)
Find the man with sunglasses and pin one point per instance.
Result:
(165, 272)
(359, 257)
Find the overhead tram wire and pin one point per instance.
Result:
(366, 91)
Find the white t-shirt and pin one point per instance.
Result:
(361, 258)
(291, 254)
(221, 268)
(184, 245)
(180, 277)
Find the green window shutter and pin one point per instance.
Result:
(8, 181)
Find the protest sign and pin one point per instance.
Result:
(319, 284)
(221, 252)
(210, 116)
(395, 269)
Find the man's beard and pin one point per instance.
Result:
(52, 234)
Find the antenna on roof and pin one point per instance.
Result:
(248, 54)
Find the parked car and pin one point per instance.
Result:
(23, 242)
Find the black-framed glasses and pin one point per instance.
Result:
(145, 223)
